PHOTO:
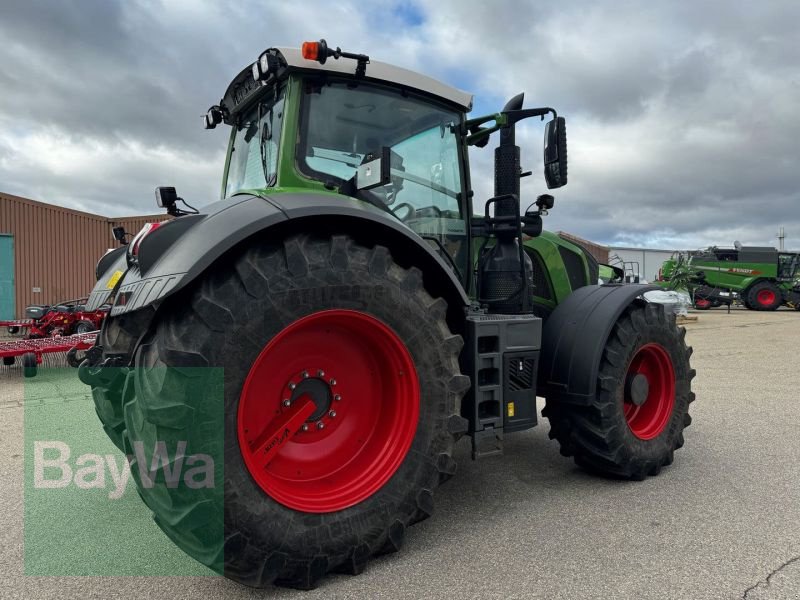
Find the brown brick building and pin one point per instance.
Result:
(48, 253)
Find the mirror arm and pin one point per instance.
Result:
(515, 116)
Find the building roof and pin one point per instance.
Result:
(72, 211)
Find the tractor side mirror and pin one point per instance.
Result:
(376, 172)
(555, 153)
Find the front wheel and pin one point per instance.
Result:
(641, 407)
(765, 295)
(340, 408)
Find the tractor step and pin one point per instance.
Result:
(501, 357)
(487, 442)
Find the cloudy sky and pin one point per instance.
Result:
(683, 117)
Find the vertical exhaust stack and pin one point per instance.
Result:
(505, 270)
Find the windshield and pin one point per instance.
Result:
(347, 126)
(254, 153)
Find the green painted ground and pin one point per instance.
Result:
(74, 531)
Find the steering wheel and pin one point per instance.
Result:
(412, 211)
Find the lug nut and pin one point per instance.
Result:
(332, 382)
(287, 402)
(320, 373)
(304, 427)
(332, 413)
(292, 386)
(305, 374)
(320, 425)
(337, 397)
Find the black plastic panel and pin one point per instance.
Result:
(574, 264)
(574, 338)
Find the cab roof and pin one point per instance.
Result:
(243, 88)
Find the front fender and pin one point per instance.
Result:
(177, 253)
(575, 335)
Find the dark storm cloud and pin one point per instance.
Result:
(682, 117)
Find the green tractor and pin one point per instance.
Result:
(762, 278)
(365, 319)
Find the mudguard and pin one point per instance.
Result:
(109, 272)
(574, 337)
(179, 251)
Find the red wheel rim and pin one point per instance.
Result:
(765, 297)
(702, 302)
(649, 418)
(358, 378)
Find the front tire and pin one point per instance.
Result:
(274, 318)
(641, 407)
(764, 295)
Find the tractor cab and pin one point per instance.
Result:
(389, 137)
(384, 135)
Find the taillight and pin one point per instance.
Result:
(133, 249)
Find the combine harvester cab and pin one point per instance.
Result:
(366, 318)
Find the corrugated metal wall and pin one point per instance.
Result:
(56, 249)
(599, 251)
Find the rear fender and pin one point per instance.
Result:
(109, 272)
(178, 252)
(575, 336)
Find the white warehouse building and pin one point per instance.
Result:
(644, 262)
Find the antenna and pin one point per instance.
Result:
(781, 238)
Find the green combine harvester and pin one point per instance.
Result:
(762, 278)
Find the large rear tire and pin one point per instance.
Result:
(111, 385)
(313, 317)
(764, 295)
(637, 417)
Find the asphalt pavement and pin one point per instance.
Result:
(722, 522)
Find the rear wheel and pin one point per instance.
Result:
(113, 383)
(84, 326)
(13, 329)
(637, 417)
(29, 364)
(702, 303)
(764, 295)
(341, 401)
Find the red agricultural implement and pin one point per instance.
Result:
(65, 318)
(33, 350)
(15, 325)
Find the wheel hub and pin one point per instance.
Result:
(649, 394)
(320, 389)
(637, 387)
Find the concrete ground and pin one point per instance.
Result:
(722, 522)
